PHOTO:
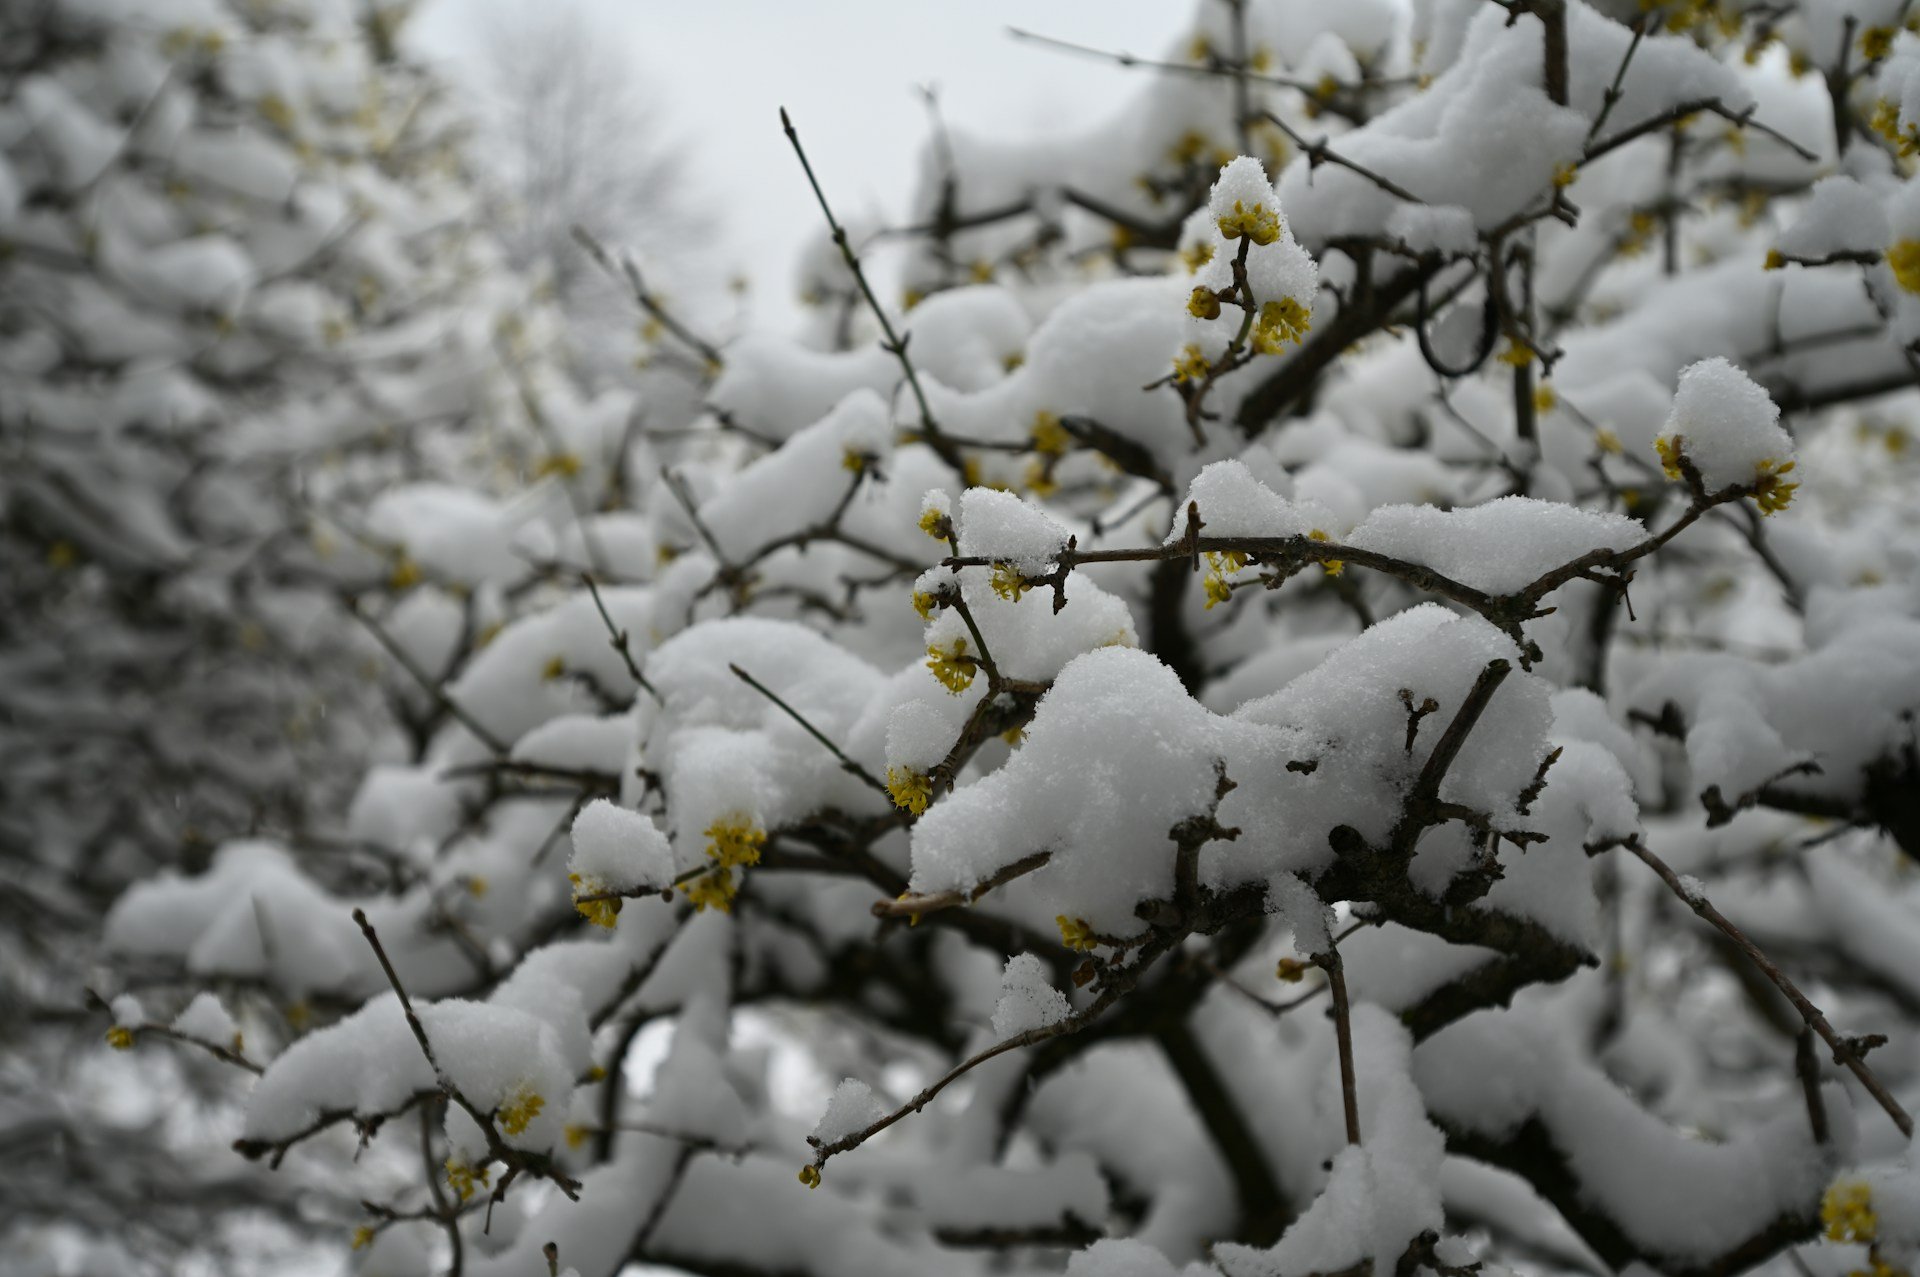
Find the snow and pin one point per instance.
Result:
(1027, 998)
(1726, 425)
(204, 1018)
(1499, 547)
(617, 850)
(369, 1064)
(854, 1107)
(1234, 503)
(1001, 527)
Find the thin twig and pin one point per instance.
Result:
(846, 764)
(1844, 1051)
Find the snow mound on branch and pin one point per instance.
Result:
(369, 1064)
(619, 850)
(1381, 1193)
(1727, 425)
(853, 1107)
(1499, 547)
(1233, 502)
(1002, 527)
(1027, 999)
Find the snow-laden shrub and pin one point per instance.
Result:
(1332, 691)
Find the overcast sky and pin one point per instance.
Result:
(847, 71)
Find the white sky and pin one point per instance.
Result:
(847, 71)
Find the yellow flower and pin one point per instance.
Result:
(564, 464)
(362, 1237)
(1563, 176)
(1075, 933)
(1050, 438)
(1013, 361)
(1544, 400)
(1259, 223)
(554, 670)
(1038, 481)
(952, 666)
(1671, 450)
(476, 885)
(714, 890)
(1190, 146)
(120, 1038)
(405, 574)
(520, 1109)
(600, 912)
(911, 298)
(1218, 589)
(576, 1134)
(1195, 257)
(1769, 492)
(936, 524)
(1847, 1211)
(1280, 322)
(923, 604)
(1291, 970)
(981, 272)
(810, 1176)
(1885, 119)
(910, 789)
(463, 1178)
(1775, 260)
(1607, 441)
(853, 459)
(1332, 567)
(1516, 354)
(277, 113)
(1203, 304)
(1903, 259)
(735, 840)
(1876, 43)
(1008, 582)
(1190, 364)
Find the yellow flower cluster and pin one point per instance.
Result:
(1195, 257)
(936, 525)
(1259, 223)
(1332, 567)
(1076, 933)
(735, 840)
(952, 666)
(1671, 450)
(1190, 364)
(1050, 438)
(1903, 259)
(600, 912)
(1281, 323)
(1770, 492)
(714, 890)
(923, 604)
(463, 1179)
(1219, 568)
(1847, 1212)
(810, 1176)
(1008, 582)
(909, 789)
(520, 1109)
(1886, 122)
(1203, 304)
